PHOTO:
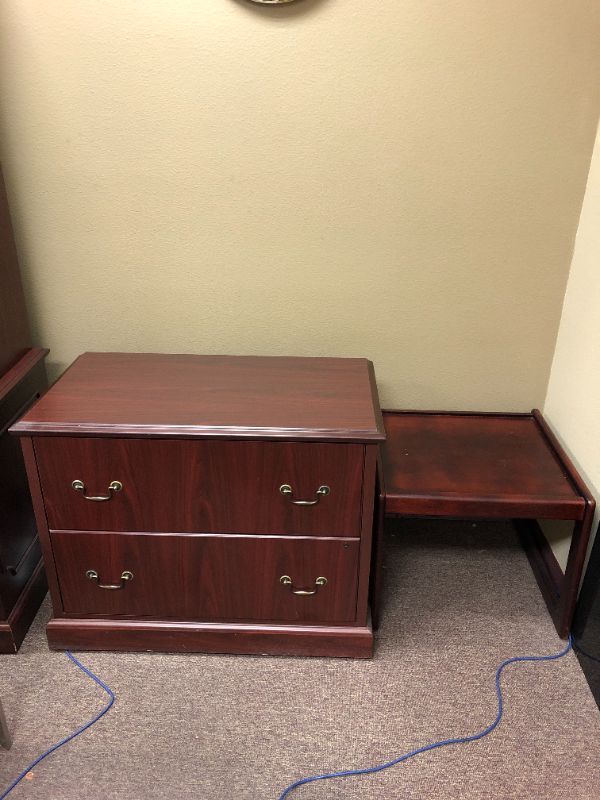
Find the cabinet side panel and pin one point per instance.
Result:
(366, 536)
(378, 545)
(42, 524)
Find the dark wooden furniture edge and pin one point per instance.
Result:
(367, 532)
(22, 428)
(13, 631)
(369, 430)
(378, 516)
(376, 587)
(468, 508)
(581, 533)
(174, 636)
(376, 406)
(563, 458)
(41, 522)
(429, 412)
(18, 371)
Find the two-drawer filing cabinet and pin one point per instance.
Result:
(207, 503)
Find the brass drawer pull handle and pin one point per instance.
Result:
(287, 581)
(125, 576)
(287, 491)
(113, 486)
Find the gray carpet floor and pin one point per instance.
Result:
(459, 599)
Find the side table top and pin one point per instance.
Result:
(488, 465)
(141, 394)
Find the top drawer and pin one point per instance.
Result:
(201, 485)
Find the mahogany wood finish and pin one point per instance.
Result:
(581, 531)
(256, 397)
(42, 523)
(366, 544)
(201, 446)
(193, 637)
(200, 486)
(378, 545)
(490, 466)
(210, 578)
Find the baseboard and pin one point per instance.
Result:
(172, 636)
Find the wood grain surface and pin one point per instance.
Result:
(175, 636)
(135, 394)
(201, 485)
(208, 578)
(474, 464)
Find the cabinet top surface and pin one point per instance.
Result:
(139, 394)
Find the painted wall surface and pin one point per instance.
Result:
(572, 404)
(396, 180)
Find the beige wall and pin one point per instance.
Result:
(400, 180)
(573, 401)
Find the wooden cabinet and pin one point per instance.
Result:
(208, 503)
(22, 380)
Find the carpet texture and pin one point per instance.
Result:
(460, 597)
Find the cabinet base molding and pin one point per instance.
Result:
(13, 629)
(200, 637)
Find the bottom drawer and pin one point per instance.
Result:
(209, 578)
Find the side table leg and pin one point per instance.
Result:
(572, 578)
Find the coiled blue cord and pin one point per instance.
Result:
(68, 738)
(434, 745)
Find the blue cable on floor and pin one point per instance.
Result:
(314, 778)
(68, 738)
(433, 745)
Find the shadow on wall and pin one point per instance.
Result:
(284, 11)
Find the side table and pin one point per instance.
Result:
(492, 466)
